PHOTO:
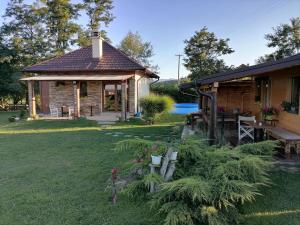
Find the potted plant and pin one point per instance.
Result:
(286, 106)
(270, 113)
(156, 159)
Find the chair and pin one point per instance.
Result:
(244, 130)
(71, 112)
(53, 111)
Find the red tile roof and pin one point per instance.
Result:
(81, 60)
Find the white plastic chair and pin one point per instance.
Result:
(53, 111)
(71, 112)
(245, 130)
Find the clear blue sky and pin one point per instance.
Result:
(167, 23)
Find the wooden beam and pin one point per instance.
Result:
(31, 99)
(76, 101)
(124, 97)
(116, 97)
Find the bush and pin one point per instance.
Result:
(12, 119)
(155, 105)
(210, 182)
(22, 114)
(173, 91)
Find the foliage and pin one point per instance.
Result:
(289, 106)
(32, 32)
(203, 52)
(285, 39)
(263, 149)
(172, 90)
(270, 111)
(134, 46)
(154, 105)
(98, 11)
(141, 149)
(210, 182)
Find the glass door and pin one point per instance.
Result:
(112, 97)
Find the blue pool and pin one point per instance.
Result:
(185, 108)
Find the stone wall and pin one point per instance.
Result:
(62, 95)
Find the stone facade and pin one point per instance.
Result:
(63, 95)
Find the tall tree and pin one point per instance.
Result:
(285, 39)
(141, 51)
(203, 52)
(98, 11)
(22, 42)
(60, 17)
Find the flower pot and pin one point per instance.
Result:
(156, 159)
(173, 156)
(269, 117)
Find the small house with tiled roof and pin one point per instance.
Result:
(89, 81)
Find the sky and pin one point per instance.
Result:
(167, 23)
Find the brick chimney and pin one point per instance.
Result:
(97, 45)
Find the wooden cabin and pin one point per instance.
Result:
(250, 89)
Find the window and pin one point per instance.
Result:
(83, 89)
(295, 90)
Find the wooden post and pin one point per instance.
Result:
(76, 94)
(101, 97)
(31, 99)
(116, 97)
(124, 98)
(213, 119)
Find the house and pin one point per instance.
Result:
(91, 81)
(249, 89)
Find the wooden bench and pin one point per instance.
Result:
(287, 137)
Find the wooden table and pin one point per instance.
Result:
(259, 128)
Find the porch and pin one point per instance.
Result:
(100, 98)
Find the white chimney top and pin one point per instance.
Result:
(97, 45)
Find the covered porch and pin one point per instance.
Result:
(102, 97)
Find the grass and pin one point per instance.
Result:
(279, 204)
(55, 172)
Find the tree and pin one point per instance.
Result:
(22, 42)
(285, 39)
(98, 11)
(60, 16)
(134, 46)
(84, 38)
(203, 52)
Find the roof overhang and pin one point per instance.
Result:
(77, 77)
(249, 71)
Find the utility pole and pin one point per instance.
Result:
(178, 72)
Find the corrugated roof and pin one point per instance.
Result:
(81, 60)
(247, 71)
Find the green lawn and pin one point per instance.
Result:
(279, 205)
(55, 172)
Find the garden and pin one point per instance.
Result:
(59, 172)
